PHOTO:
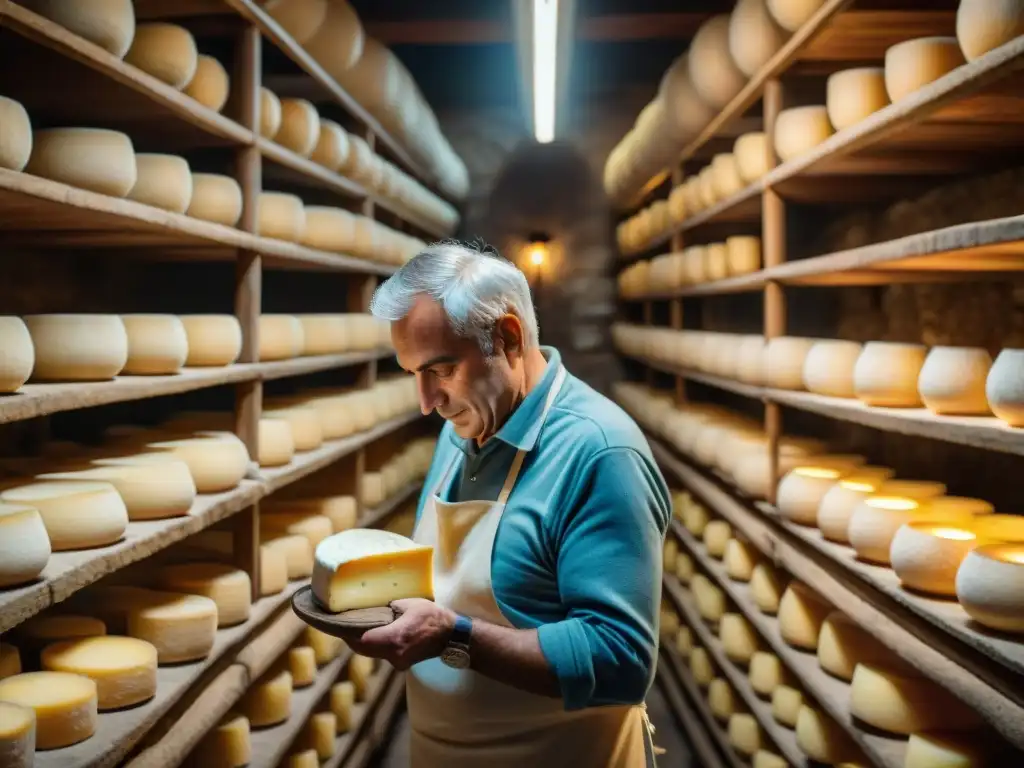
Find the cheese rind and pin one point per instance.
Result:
(902, 703)
(24, 544)
(95, 159)
(228, 745)
(165, 51)
(77, 347)
(17, 735)
(181, 627)
(163, 181)
(77, 514)
(366, 568)
(228, 587)
(64, 705)
(123, 668)
(210, 85)
(269, 700)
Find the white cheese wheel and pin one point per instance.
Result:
(927, 556)
(766, 673)
(300, 126)
(990, 586)
(725, 175)
(228, 587)
(952, 381)
(320, 734)
(945, 750)
(366, 568)
(740, 559)
(270, 113)
(17, 735)
(875, 521)
(829, 365)
(716, 76)
(157, 344)
(326, 647)
(163, 181)
(783, 361)
(840, 501)
(716, 535)
(343, 699)
(754, 36)
(306, 759)
(722, 700)
(821, 738)
(800, 129)
(298, 553)
(843, 644)
(24, 544)
(701, 667)
(10, 661)
(77, 515)
(339, 45)
(315, 528)
(304, 424)
(151, 490)
(64, 705)
(328, 229)
(745, 733)
(182, 627)
(913, 64)
(324, 334)
(110, 24)
(210, 85)
(280, 337)
(299, 18)
(213, 340)
(801, 490)
(226, 745)
(77, 347)
(332, 146)
(215, 198)
(281, 216)
(801, 614)
(897, 702)
(16, 136)
(165, 51)
(754, 156)
(739, 639)
(18, 357)
(89, 158)
(982, 25)
(276, 444)
(218, 462)
(302, 666)
(792, 14)
(786, 704)
(269, 700)
(767, 583)
(765, 759)
(1004, 387)
(360, 670)
(854, 94)
(886, 374)
(123, 668)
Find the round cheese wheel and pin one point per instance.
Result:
(215, 198)
(269, 700)
(952, 381)
(307, 758)
(324, 334)
(783, 361)
(213, 340)
(270, 113)
(157, 344)
(19, 355)
(754, 156)
(328, 229)
(360, 669)
(913, 64)
(792, 14)
(683, 642)
(163, 181)
(64, 705)
(110, 24)
(165, 51)
(89, 158)
(766, 673)
(701, 667)
(300, 126)
(745, 733)
(343, 699)
(181, 627)
(945, 750)
(302, 666)
(298, 553)
(765, 759)
(821, 738)
(843, 644)
(217, 461)
(982, 25)
(304, 424)
(280, 215)
(709, 597)
(338, 46)
(754, 36)
(24, 544)
(226, 745)
(332, 146)
(725, 175)
(10, 661)
(300, 18)
(319, 734)
(767, 583)
(801, 614)
(228, 587)
(716, 535)
(17, 735)
(722, 699)
(326, 647)
(123, 668)
(77, 515)
(829, 365)
(42, 630)
(875, 521)
(886, 374)
(150, 490)
(897, 702)
(927, 556)
(739, 639)
(716, 75)
(854, 94)
(786, 704)
(801, 490)
(280, 337)
(800, 129)
(1004, 387)
(742, 254)
(740, 559)
(77, 347)
(840, 501)
(989, 586)
(16, 140)
(210, 85)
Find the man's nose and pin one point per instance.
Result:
(428, 395)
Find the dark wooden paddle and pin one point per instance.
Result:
(345, 624)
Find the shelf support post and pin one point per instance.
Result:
(675, 307)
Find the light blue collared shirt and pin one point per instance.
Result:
(578, 549)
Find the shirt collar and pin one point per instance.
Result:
(523, 427)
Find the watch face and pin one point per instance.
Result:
(455, 657)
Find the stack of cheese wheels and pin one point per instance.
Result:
(24, 545)
(16, 148)
(210, 85)
(913, 64)
(123, 668)
(982, 25)
(109, 24)
(212, 340)
(163, 181)
(94, 159)
(19, 354)
(77, 514)
(215, 198)
(166, 51)
(77, 347)
(65, 705)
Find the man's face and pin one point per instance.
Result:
(466, 387)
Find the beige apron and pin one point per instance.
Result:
(461, 719)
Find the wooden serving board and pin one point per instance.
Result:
(346, 623)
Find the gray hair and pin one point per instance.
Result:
(475, 288)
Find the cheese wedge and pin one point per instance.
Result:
(365, 568)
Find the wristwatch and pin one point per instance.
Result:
(456, 653)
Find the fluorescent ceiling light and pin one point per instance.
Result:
(545, 46)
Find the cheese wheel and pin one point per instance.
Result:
(875, 521)
(339, 45)
(303, 423)
(64, 705)
(754, 36)
(89, 158)
(163, 181)
(77, 347)
(767, 584)
(854, 94)
(276, 444)
(739, 639)
(226, 745)
(300, 126)
(110, 24)
(332, 146)
(182, 627)
(270, 113)
(306, 759)
(10, 661)
(765, 759)
(17, 735)
(801, 614)
(901, 703)
(982, 25)
(123, 668)
(210, 85)
(913, 64)
(783, 361)
(952, 381)
(360, 670)
(19, 355)
(314, 528)
(24, 545)
(829, 366)
(945, 750)
(787, 702)
(886, 374)
(157, 344)
(742, 254)
(77, 515)
(800, 129)
(722, 700)
(745, 733)
(295, 549)
(716, 536)
(696, 518)
(989, 586)
(801, 490)
(684, 642)
(365, 568)
(326, 647)
(715, 74)
(1003, 388)
(217, 461)
(342, 511)
(684, 567)
(767, 673)
(213, 340)
(269, 700)
(281, 216)
(319, 734)
(215, 198)
(839, 502)
(739, 560)
(16, 139)
(342, 700)
(165, 51)
(228, 587)
(302, 666)
(701, 667)
(843, 644)
(299, 18)
(793, 14)
(821, 738)
(48, 628)
(710, 598)
(754, 156)
(328, 229)
(669, 553)
(927, 556)
(324, 334)
(280, 337)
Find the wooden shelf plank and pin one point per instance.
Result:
(987, 681)
(686, 717)
(783, 738)
(300, 366)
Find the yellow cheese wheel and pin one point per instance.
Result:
(821, 738)
(24, 544)
(157, 344)
(945, 750)
(326, 647)
(787, 701)
(669, 553)
(269, 700)
(276, 444)
(165, 51)
(305, 759)
(716, 76)
(215, 198)
(739, 639)
(898, 702)
(829, 365)
(19, 354)
(739, 559)
(17, 735)
(767, 673)
(281, 337)
(332, 146)
(793, 14)
(982, 25)
(303, 423)
(843, 644)
(339, 45)
(182, 627)
(210, 85)
(742, 254)
(798, 130)
(328, 229)
(342, 700)
(218, 461)
(360, 670)
(227, 745)
(952, 381)
(16, 141)
(840, 501)
(886, 374)
(745, 733)
(801, 490)
(319, 734)
(270, 113)
(64, 705)
(123, 668)
(913, 64)
(10, 660)
(723, 700)
(696, 519)
(767, 583)
(110, 24)
(701, 667)
(297, 552)
(765, 759)
(783, 361)
(875, 521)
(716, 536)
(854, 94)
(77, 514)
(709, 597)
(213, 340)
(163, 181)
(684, 642)
(725, 176)
(753, 155)
(150, 490)
(300, 126)
(684, 567)
(41, 630)
(302, 665)
(280, 215)
(299, 18)
(754, 36)
(90, 158)
(228, 587)
(801, 614)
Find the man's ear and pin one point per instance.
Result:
(509, 336)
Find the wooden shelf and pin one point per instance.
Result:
(783, 738)
(381, 686)
(984, 674)
(686, 718)
(373, 517)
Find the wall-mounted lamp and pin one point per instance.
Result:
(536, 249)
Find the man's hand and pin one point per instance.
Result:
(420, 632)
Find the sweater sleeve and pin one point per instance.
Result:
(609, 550)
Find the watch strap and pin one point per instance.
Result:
(462, 630)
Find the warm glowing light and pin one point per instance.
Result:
(545, 60)
(852, 485)
(892, 503)
(1015, 557)
(537, 253)
(821, 473)
(954, 534)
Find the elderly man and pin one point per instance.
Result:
(547, 516)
